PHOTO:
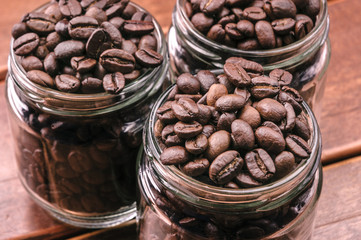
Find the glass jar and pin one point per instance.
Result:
(76, 153)
(183, 208)
(307, 59)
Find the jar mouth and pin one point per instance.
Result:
(321, 23)
(305, 168)
(16, 71)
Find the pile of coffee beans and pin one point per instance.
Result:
(238, 129)
(86, 46)
(253, 24)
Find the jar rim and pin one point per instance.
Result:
(15, 68)
(304, 169)
(321, 21)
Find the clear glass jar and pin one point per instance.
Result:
(307, 59)
(76, 153)
(175, 206)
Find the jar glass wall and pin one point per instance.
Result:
(76, 153)
(307, 59)
(184, 208)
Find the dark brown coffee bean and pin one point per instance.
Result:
(254, 14)
(250, 115)
(312, 8)
(260, 165)
(138, 28)
(249, 66)
(302, 28)
(249, 44)
(61, 27)
(18, 30)
(223, 79)
(148, 41)
(174, 155)
(211, 7)
(225, 120)
(97, 13)
(95, 43)
(229, 103)
(277, 9)
(273, 126)
(91, 85)
(26, 44)
(206, 79)
(300, 3)
(40, 22)
(113, 34)
(117, 60)
(265, 34)
(264, 87)
(271, 110)
(70, 8)
(270, 140)
(41, 78)
(246, 28)
(52, 40)
(117, 9)
(82, 64)
(283, 26)
(283, 77)
(208, 130)
(245, 180)
(285, 163)
(225, 167)
(113, 82)
(188, 84)
(185, 109)
(218, 143)
(67, 83)
(197, 145)
(147, 57)
(132, 75)
(82, 27)
(187, 130)
(31, 63)
(202, 22)
(242, 135)
(169, 137)
(302, 128)
(236, 74)
(196, 167)
(243, 92)
(166, 114)
(233, 32)
(51, 65)
(216, 33)
(69, 48)
(291, 96)
(298, 146)
(289, 122)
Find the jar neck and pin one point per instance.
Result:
(213, 53)
(54, 101)
(196, 193)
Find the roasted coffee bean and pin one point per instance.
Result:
(197, 145)
(41, 52)
(230, 102)
(31, 63)
(285, 163)
(188, 84)
(68, 49)
(264, 87)
(312, 8)
(265, 34)
(206, 79)
(223, 79)
(82, 64)
(113, 33)
(245, 180)
(174, 155)
(196, 167)
(148, 41)
(61, 27)
(302, 128)
(185, 109)
(280, 9)
(208, 130)
(187, 130)
(250, 115)
(211, 7)
(91, 85)
(218, 143)
(82, 27)
(18, 30)
(117, 9)
(132, 75)
(216, 33)
(233, 32)
(271, 109)
(148, 57)
(249, 44)
(96, 13)
(95, 43)
(270, 140)
(67, 83)
(283, 77)
(283, 26)
(225, 120)
(117, 60)
(25, 44)
(291, 96)
(113, 82)
(249, 66)
(225, 167)
(138, 28)
(242, 135)
(302, 28)
(51, 65)
(52, 40)
(254, 14)
(169, 137)
(40, 22)
(246, 28)
(243, 92)
(41, 78)
(260, 165)
(236, 74)
(298, 146)
(215, 92)
(273, 126)
(289, 122)
(201, 22)
(166, 114)
(70, 8)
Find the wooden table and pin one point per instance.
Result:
(339, 212)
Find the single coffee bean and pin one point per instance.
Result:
(298, 146)
(223, 79)
(242, 135)
(148, 41)
(52, 40)
(40, 22)
(250, 115)
(113, 82)
(82, 64)
(245, 180)
(31, 63)
(117, 60)
(188, 84)
(216, 33)
(25, 44)
(169, 137)
(148, 57)
(302, 128)
(97, 13)
(243, 92)
(248, 66)
(277, 9)
(291, 96)
(185, 109)
(113, 34)
(283, 26)
(229, 103)
(260, 165)
(82, 27)
(132, 75)
(271, 110)
(302, 28)
(285, 163)
(254, 14)
(265, 34)
(91, 85)
(187, 130)
(51, 65)
(246, 28)
(206, 79)
(18, 30)
(218, 143)
(68, 49)
(225, 167)
(283, 77)
(174, 155)
(211, 7)
(95, 43)
(312, 8)
(67, 83)
(249, 44)
(202, 22)
(61, 28)
(138, 28)
(264, 87)
(233, 32)
(236, 74)
(196, 167)
(41, 78)
(70, 8)
(208, 130)
(197, 145)
(273, 126)
(288, 123)
(166, 114)
(270, 140)
(116, 9)
(225, 120)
